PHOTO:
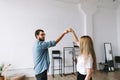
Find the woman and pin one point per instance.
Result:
(86, 61)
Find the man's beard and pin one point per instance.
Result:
(41, 39)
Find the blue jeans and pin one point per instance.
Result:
(42, 76)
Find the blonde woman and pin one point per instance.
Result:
(86, 61)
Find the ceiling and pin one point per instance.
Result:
(70, 1)
(78, 1)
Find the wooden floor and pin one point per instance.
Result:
(99, 76)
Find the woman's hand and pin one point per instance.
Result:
(70, 30)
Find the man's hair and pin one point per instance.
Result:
(38, 31)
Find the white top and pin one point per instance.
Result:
(81, 66)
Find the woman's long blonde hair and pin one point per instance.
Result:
(87, 49)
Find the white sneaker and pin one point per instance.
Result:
(109, 69)
(112, 68)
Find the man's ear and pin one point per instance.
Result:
(37, 36)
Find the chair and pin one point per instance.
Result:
(56, 56)
(117, 60)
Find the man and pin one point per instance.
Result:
(41, 54)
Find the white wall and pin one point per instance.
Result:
(105, 30)
(20, 18)
(102, 21)
(118, 29)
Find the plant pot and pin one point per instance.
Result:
(1, 77)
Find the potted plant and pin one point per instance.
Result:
(1, 71)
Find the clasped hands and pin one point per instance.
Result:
(68, 30)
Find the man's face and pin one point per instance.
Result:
(41, 36)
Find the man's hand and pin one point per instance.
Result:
(65, 32)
